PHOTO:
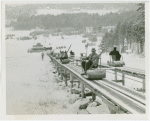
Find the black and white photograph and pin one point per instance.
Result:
(75, 58)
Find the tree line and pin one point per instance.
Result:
(76, 20)
(126, 33)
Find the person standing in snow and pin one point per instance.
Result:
(42, 55)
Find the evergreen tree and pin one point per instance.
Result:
(139, 26)
(122, 35)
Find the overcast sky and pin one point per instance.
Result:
(100, 8)
(59, 8)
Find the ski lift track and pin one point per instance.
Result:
(127, 99)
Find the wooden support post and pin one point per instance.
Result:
(58, 70)
(118, 109)
(54, 65)
(78, 84)
(71, 80)
(123, 81)
(65, 76)
(93, 96)
(144, 85)
(68, 76)
(61, 74)
(82, 90)
(115, 74)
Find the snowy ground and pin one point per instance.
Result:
(131, 60)
(31, 86)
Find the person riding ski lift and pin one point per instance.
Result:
(64, 55)
(91, 63)
(115, 55)
(72, 53)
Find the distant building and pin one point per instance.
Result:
(89, 29)
(9, 28)
(109, 28)
(37, 29)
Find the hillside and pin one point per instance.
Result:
(76, 20)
